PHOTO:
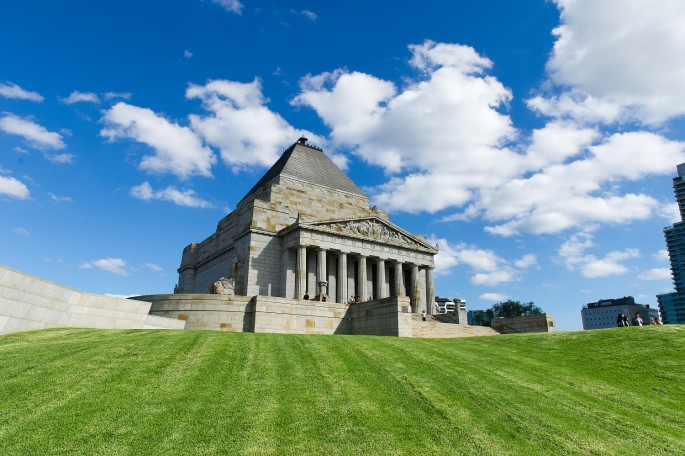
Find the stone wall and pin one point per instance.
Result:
(382, 317)
(524, 324)
(205, 311)
(314, 202)
(264, 265)
(269, 314)
(294, 316)
(28, 303)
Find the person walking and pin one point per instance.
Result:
(423, 315)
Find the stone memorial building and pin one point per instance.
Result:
(291, 259)
(306, 229)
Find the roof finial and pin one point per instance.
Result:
(302, 140)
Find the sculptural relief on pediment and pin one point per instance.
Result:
(370, 228)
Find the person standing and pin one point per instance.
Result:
(423, 315)
(637, 321)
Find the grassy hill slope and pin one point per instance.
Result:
(617, 391)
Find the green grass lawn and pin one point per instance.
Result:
(616, 391)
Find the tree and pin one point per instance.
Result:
(507, 308)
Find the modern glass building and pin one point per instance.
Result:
(672, 305)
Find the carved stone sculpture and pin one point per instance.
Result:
(371, 229)
(223, 286)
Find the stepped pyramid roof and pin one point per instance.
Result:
(308, 163)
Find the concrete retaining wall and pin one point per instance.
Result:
(28, 302)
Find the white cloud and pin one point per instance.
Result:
(121, 95)
(495, 297)
(444, 134)
(573, 253)
(430, 56)
(670, 212)
(446, 258)
(580, 108)
(661, 255)
(154, 267)
(240, 124)
(113, 265)
(493, 278)
(177, 150)
(556, 143)
(60, 199)
(609, 265)
(33, 133)
(14, 188)
(81, 97)
(487, 267)
(441, 133)
(187, 54)
(21, 231)
(311, 15)
(526, 261)
(232, 6)
(585, 191)
(59, 158)
(12, 90)
(171, 194)
(656, 274)
(623, 52)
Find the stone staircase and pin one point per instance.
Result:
(432, 328)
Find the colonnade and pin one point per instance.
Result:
(380, 285)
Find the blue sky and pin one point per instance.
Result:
(535, 141)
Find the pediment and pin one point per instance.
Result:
(372, 228)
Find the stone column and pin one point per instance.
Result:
(342, 278)
(301, 272)
(362, 278)
(415, 292)
(321, 272)
(381, 279)
(430, 291)
(399, 279)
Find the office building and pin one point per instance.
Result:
(603, 313)
(672, 305)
